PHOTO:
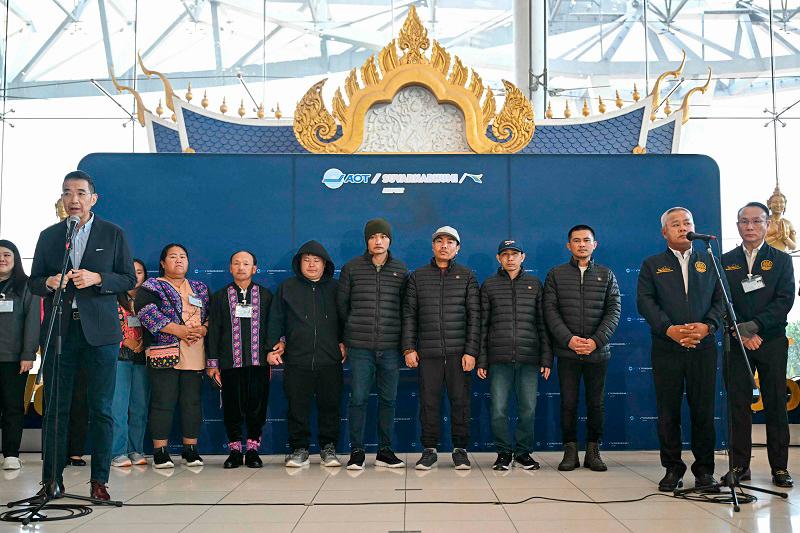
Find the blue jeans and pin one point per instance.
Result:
(101, 363)
(506, 379)
(368, 367)
(131, 399)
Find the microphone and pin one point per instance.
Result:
(692, 236)
(72, 223)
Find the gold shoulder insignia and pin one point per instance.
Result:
(766, 264)
(663, 270)
(733, 267)
(700, 267)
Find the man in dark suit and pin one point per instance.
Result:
(679, 296)
(100, 267)
(761, 281)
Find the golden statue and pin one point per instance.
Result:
(61, 213)
(781, 233)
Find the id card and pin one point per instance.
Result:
(244, 311)
(134, 322)
(753, 283)
(6, 306)
(195, 301)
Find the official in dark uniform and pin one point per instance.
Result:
(678, 295)
(761, 281)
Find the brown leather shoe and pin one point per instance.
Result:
(99, 491)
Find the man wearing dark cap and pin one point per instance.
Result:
(514, 350)
(441, 335)
(582, 305)
(370, 300)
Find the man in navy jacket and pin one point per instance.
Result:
(100, 267)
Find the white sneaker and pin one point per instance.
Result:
(121, 461)
(298, 458)
(137, 458)
(12, 463)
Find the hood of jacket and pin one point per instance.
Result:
(315, 248)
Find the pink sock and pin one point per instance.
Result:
(253, 444)
(235, 446)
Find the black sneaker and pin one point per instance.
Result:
(526, 462)
(234, 460)
(161, 458)
(460, 459)
(427, 460)
(356, 461)
(388, 459)
(189, 456)
(503, 461)
(252, 460)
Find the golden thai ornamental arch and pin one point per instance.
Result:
(382, 77)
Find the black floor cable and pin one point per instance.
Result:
(69, 511)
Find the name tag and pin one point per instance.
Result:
(134, 322)
(195, 301)
(753, 283)
(244, 311)
(6, 306)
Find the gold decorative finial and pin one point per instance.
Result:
(174, 118)
(639, 150)
(159, 109)
(636, 95)
(701, 90)
(667, 108)
(657, 86)
(601, 106)
(586, 111)
(413, 39)
(189, 150)
(224, 107)
(242, 110)
(169, 94)
(277, 111)
(204, 101)
(140, 109)
(260, 113)
(618, 101)
(549, 112)
(189, 93)
(567, 112)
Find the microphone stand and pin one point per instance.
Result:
(51, 490)
(728, 482)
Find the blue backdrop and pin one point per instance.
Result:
(271, 204)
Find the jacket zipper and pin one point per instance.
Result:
(377, 304)
(513, 323)
(314, 318)
(441, 315)
(581, 276)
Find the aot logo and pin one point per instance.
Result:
(335, 178)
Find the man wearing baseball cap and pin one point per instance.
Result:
(514, 350)
(441, 336)
(370, 299)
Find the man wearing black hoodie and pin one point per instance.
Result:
(441, 335)
(304, 314)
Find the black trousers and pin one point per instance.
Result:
(169, 387)
(434, 375)
(570, 372)
(694, 372)
(770, 362)
(245, 392)
(12, 406)
(302, 386)
(79, 414)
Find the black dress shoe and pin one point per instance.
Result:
(740, 473)
(671, 481)
(75, 462)
(252, 460)
(781, 478)
(706, 483)
(234, 460)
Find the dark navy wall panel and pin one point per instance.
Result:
(271, 204)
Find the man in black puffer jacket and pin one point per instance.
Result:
(514, 349)
(304, 313)
(370, 301)
(441, 335)
(582, 306)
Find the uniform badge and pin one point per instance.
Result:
(733, 267)
(663, 270)
(766, 264)
(530, 287)
(458, 277)
(700, 267)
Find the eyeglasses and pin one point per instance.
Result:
(744, 222)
